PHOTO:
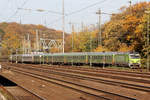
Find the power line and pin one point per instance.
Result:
(89, 6)
(41, 10)
(77, 11)
(59, 13)
(17, 10)
(59, 19)
(54, 21)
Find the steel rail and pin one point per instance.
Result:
(42, 77)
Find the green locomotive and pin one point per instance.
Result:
(100, 58)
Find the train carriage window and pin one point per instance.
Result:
(82, 57)
(75, 57)
(101, 57)
(106, 57)
(96, 57)
(93, 57)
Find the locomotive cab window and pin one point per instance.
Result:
(135, 56)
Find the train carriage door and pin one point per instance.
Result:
(113, 59)
(32, 58)
(16, 59)
(86, 59)
(40, 58)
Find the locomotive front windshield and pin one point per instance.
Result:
(135, 56)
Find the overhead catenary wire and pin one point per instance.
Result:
(59, 13)
(69, 14)
(17, 10)
(82, 9)
(59, 19)
(85, 8)
(41, 10)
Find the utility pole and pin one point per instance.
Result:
(63, 26)
(148, 26)
(20, 20)
(45, 23)
(37, 41)
(130, 6)
(148, 40)
(91, 28)
(82, 26)
(130, 2)
(100, 34)
(72, 31)
(28, 43)
(23, 47)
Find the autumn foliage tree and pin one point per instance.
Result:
(126, 31)
(13, 34)
(123, 30)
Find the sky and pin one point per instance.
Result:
(85, 11)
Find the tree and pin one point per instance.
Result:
(13, 35)
(124, 28)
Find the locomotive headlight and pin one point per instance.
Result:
(131, 61)
(138, 62)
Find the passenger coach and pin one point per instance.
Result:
(108, 58)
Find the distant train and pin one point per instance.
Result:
(99, 58)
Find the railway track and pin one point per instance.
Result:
(19, 93)
(76, 86)
(112, 71)
(111, 75)
(97, 70)
(90, 78)
(81, 88)
(83, 77)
